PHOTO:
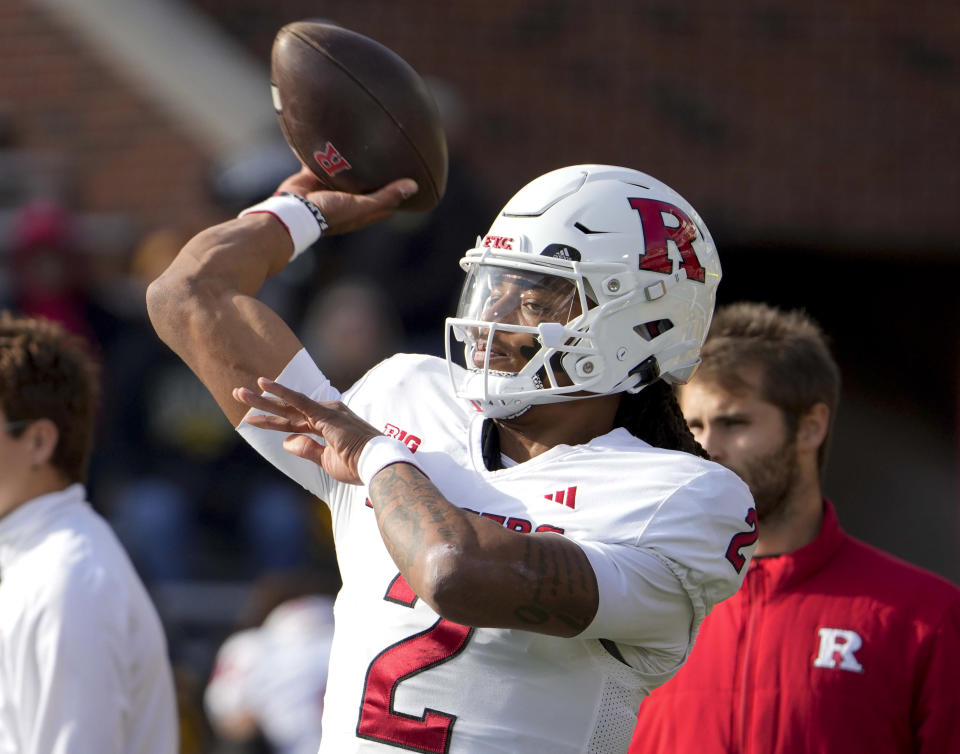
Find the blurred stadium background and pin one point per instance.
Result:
(819, 142)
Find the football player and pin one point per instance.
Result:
(529, 539)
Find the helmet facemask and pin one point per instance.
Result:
(525, 335)
(593, 280)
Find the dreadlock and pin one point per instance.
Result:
(654, 416)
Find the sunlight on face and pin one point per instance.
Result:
(745, 433)
(529, 300)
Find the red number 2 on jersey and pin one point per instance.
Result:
(743, 539)
(379, 721)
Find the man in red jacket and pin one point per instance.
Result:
(830, 645)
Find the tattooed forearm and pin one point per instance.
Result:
(473, 570)
(403, 535)
(413, 515)
(557, 576)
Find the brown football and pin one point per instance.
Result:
(356, 113)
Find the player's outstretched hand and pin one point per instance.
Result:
(344, 432)
(347, 212)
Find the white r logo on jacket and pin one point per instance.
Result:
(842, 642)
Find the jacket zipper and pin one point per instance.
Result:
(752, 616)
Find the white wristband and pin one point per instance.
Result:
(301, 218)
(380, 452)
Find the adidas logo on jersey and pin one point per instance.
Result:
(567, 497)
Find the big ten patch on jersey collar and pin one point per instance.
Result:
(411, 441)
(838, 648)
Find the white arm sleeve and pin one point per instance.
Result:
(656, 589)
(643, 607)
(641, 600)
(302, 375)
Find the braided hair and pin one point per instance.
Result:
(654, 416)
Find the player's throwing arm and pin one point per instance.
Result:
(447, 555)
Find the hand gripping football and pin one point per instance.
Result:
(356, 113)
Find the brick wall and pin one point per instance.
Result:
(113, 150)
(831, 125)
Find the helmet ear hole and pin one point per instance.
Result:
(650, 330)
(647, 370)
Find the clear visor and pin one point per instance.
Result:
(517, 297)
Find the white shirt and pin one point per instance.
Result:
(277, 673)
(83, 658)
(655, 524)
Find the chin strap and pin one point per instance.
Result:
(490, 446)
(503, 407)
(647, 371)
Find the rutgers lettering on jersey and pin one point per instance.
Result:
(663, 222)
(514, 523)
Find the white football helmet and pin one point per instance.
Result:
(593, 280)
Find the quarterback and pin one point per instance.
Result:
(528, 537)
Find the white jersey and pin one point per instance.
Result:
(277, 673)
(657, 526)
(83, 658)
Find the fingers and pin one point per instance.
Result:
(306, 406)
(267, 403)
(278, 423)
(393, 193)
(348, 212)
(304, 447)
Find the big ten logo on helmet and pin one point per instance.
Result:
(498, 242)
(411, 441)
(331, 160)
(664, 222)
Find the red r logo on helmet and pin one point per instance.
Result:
(656, 233)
